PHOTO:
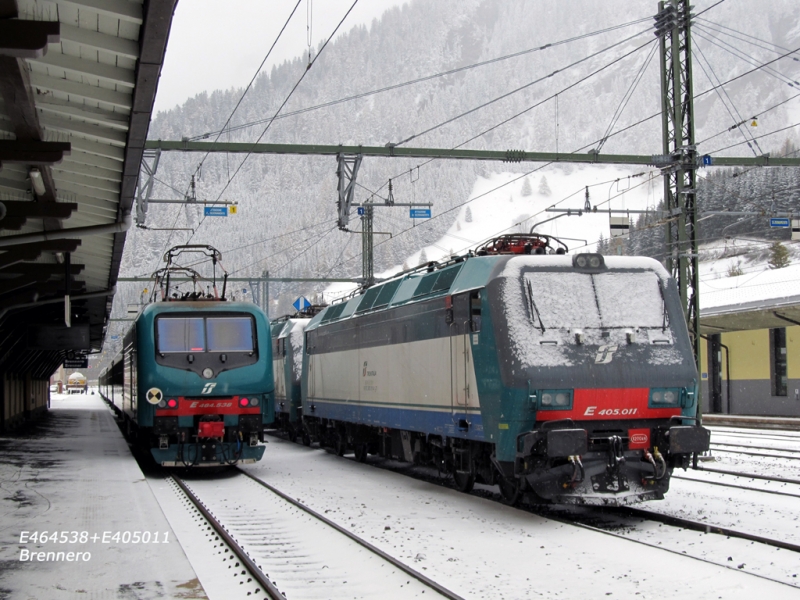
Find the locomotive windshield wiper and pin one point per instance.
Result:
(664, 306)
(532, 305)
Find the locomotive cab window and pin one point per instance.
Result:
(475, 310)
(180, 335)
(201, 344)
(229, 334)
(211, 334)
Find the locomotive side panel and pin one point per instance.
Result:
(416, 386)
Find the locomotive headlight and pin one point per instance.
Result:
(253, 401)
(588, 261)
(162, 404)
(555, 399)
(243, 402)
(208, 373)
(665, 397)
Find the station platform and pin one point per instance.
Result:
(78, 518)
(753, 422)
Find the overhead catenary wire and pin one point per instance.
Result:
(723, 94)
(626, 98)
(532, 83)
(776, 48)
(241, 98)
(610, 135)
(280, 108)
(728, 48)
(425, 78)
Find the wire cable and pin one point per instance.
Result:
(529, 84)
(241, 98)
(627, 97)
(707, 23)
(280, 108)
(428, 77)
(722, 94)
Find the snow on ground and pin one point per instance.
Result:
(73, 472)
(482, 549)
(498, 204)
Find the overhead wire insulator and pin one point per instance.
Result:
(513, 156)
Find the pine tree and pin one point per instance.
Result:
(458, 225)
(602, 245)
(468, 216)
(544, 189)
(423, 258)
(526, 187)
(778, 256)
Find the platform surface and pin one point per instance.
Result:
(72, 481)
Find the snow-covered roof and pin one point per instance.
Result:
(758, 298)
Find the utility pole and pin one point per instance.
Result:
(673, 28)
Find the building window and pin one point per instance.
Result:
(777, 355)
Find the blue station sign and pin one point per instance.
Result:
(779, 222)
(420, 213)
(215, 211)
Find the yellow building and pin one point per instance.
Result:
(750, 360)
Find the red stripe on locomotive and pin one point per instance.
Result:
(210, 406)
(609, 403)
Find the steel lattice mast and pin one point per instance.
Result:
(673, 27)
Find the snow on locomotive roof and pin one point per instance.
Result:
(567, 301)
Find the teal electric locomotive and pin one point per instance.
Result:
(193, 381)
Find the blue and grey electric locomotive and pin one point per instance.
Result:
(193, 382)
(566, 378)
(287, 364)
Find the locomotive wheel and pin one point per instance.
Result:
(465, 481)
(292, 434)
(511, 490)
(361, 452)
(306, 439)
(340, 443)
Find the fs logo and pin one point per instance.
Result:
(604, 355)
(207, 388)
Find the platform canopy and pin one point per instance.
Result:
(763, 299)
(78, 80)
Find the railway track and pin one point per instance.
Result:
(750, 435)
(703, 527)
(719, 448)
(750, 447)
(748, 475)
(295, 552)
(734, 486)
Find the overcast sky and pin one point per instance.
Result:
(215, 44)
